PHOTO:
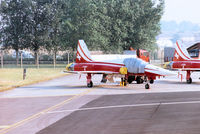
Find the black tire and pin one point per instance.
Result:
(90, 84)
(189, 81)
(131, 79)
(151, 81)
(147, 86)
(139, 80)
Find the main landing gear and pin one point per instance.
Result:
(189, 81)
(151, 81)
(89, 80)
(130, 79)
(188, 78)
(104, 80)
(139, 80)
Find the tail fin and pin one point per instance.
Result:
(180, 53)
(83, 54)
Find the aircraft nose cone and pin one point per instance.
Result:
(70, 67)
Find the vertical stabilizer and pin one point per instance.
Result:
(83, 54)
(180, 53)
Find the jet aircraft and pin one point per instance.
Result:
(127, 69)
(183, 62)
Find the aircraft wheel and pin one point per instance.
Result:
(147, 86)
(130, 79)
(90, 84)
(189, 81)
(151, 81)
(138, 80)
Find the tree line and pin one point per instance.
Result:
(108, 25)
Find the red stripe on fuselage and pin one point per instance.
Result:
(186, 64)
(96, 67)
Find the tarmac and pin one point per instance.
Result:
(66, 106)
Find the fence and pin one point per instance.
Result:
(10, 62)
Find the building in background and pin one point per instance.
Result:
(168, 54)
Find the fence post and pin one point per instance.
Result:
(24, 73)
(67, 57)
(2, 58)
(21, 60)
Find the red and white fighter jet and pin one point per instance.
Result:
(183, 62)
(127, 69)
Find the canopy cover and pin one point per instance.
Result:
(135, 65)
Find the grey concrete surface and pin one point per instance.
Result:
(68, 106)
(168, 113)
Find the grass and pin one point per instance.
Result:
(13, 77)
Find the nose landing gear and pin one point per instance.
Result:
(147, 86)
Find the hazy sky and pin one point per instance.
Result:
(182, 10)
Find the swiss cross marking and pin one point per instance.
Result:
(177, 56)
(79, 57)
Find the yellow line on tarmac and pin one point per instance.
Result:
(44, 96)
(20, 123)
(4, 126)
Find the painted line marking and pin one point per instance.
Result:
(37, 115)
(122, 106)
(70, 94)
(15, 97)
(4, 126)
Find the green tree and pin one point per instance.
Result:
(14, 30)
(37, 26)
(54, 12)
(85, 19)
(113, 25)
(134, 23)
